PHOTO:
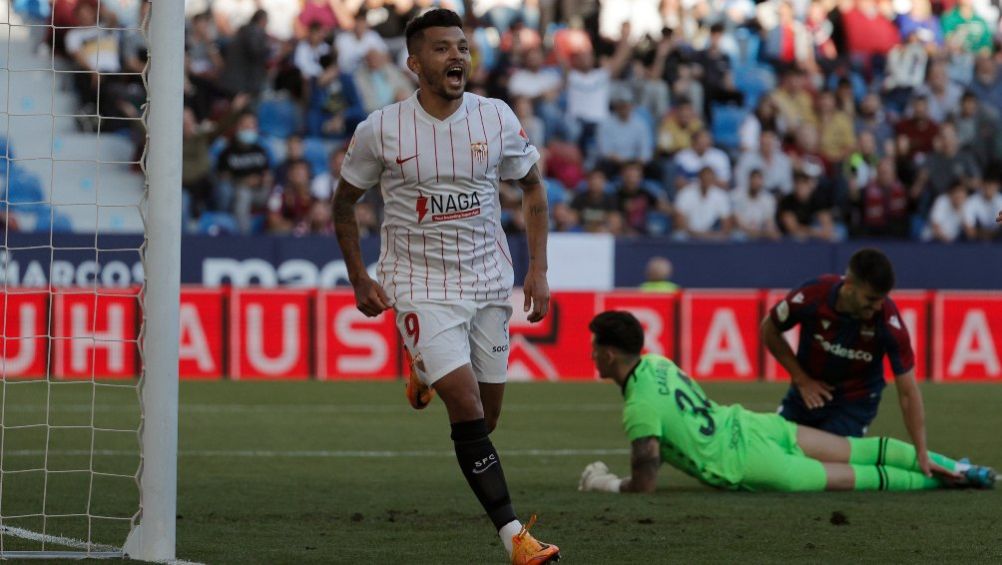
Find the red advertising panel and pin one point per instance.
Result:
(967, 336)
(351, 346)
(23, 341)
(201, 320)
(773, 370)
(913, 305)
(656, 312)
(95, 333)
(269, 334)
(719, 330)
(557, 348)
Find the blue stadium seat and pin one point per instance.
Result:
(53, 221)
(278, 117)
(917, 227)
(215, 149)
(259, 224)
(217, 223)
(726, 122)
(753, 80)
(24, 187)
(37, 9)
(556, 193)
(658, 223)
(275, 147)
(4, 157)
(655, 188)
(485, 48)
(316, 151)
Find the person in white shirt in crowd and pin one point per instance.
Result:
(352, 46)
(282, 16)
(946, 219)
(906, 63)
(542, 86)
(643, 16)
(764, 117)
(979, 211)
(324, 184)
(380, 82)
(755, 209)
(703, 209)
(532, 124)
(588, 87)
(91, 46)
(231, 15)
(770, 161)
(533, 79)
(942, 94)
(702, 154)
(623, 137)
(309, 50)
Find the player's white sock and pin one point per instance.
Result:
(509, 531)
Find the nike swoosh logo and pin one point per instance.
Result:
(477, 472)
(402, 161)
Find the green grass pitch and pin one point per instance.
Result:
(348, 473)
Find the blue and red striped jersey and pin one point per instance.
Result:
(838, 349)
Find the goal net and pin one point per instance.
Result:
(89, 208)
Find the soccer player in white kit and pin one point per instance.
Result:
(444, 264)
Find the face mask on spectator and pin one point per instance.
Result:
(247, 136)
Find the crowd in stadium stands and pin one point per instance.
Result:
(695, 119)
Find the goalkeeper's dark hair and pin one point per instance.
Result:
(872, 267)
(618, 329)
(432, 18)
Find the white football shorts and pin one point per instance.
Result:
(443, 336)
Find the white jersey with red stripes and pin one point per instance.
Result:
(441, 235)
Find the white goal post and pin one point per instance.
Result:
(72, 438)
(154, 537)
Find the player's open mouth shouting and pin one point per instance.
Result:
(455, 76)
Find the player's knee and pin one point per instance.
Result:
(465, 407)
(492, 417)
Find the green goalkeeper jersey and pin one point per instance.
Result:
(697, 435)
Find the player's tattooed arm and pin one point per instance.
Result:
(530, 183)
(645, 459)
(346, 227)
(370, 298)
(537, 224)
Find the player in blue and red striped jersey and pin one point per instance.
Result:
(847, 325)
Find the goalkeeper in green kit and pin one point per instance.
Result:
(669, 419)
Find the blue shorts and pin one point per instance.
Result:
(850, 419)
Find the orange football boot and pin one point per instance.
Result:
(527, 550)
(418, 393)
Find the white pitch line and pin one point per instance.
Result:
(304, 408)
(322, 453)
(57, 540)
(334, 409)
(76, 543)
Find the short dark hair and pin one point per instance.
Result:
(872, 267)
(433, 18)
(618, 329)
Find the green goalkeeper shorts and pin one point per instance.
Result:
(773, 460)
